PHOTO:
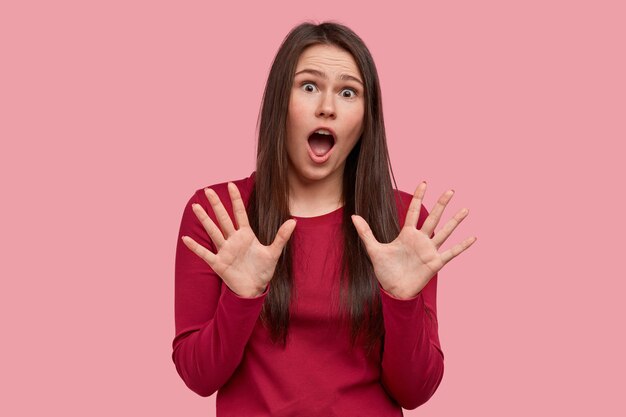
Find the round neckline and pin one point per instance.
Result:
(332, 217)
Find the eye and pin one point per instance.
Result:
(306, 85)
(354, 94)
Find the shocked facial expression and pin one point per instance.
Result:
(327, 97)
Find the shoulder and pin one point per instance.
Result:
(244, 185)
(403, 200)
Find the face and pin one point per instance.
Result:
(327, 93)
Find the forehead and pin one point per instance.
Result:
(327, 57)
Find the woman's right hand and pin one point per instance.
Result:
(244, 264)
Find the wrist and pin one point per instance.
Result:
(401, 294)
(249, 292)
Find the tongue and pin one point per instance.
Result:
(320, 144)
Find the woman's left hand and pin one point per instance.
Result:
(404, 266)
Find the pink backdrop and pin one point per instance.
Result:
(114, 112)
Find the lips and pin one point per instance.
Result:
(320, 145)
(321, 141)
(332, 132)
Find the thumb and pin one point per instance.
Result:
(283, 235)
(364, 231)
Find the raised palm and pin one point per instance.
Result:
(403, 267)
(245, 265)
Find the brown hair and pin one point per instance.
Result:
(367, 188)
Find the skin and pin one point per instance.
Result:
(322, 100)
(245, 265)
(403, 267)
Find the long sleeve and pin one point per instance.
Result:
(412, 362)
(213, 324)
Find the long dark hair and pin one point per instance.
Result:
(367, 186)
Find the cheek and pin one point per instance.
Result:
(294, 113)
(297, 109)
(356, 121)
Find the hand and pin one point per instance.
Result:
(404, 266)
(243, 263)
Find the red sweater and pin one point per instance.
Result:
(221, 345)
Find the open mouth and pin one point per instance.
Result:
(321, 141)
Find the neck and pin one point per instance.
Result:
(314, 198)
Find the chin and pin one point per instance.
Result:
(312, 174)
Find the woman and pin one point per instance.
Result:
(299, 292)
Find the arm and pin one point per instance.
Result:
(212, 328)
(412, 363)
(407, 268)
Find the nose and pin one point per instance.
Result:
(326, 106)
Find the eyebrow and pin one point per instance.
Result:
(321, 74)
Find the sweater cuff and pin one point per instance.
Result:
(243, 305)
(403, 309)
(234, 294)
(393, 296)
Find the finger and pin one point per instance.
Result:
(214, 232)
(365, 232)
(239, 210)
(457, 249)
(282, 236)
(433, 218)
(449, 227)
(413, 213)
(220, 212)
(208, 256)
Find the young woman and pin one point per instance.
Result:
(309, 287)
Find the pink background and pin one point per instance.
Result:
(113, 113)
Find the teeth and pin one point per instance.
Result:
(323, 132)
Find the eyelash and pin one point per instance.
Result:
(354, 92)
